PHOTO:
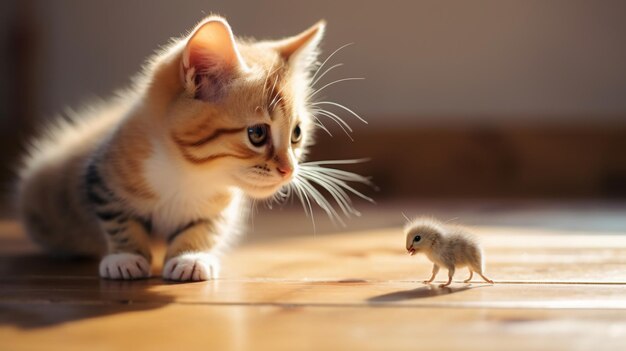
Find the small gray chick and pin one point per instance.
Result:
(446, 246)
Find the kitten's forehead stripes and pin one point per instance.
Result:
(185, 145)
(208, 138)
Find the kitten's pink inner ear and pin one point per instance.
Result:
(212, 46)
(288, 47)
(211, 60)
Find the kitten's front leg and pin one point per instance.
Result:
(189, 256)
(129, 254)
(128, 245)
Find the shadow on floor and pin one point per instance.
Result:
(38, 291)
(418, 293)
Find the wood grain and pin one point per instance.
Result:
(359, 290)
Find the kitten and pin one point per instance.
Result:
(210, 122)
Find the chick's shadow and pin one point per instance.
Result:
(422, 292)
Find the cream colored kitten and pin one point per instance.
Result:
(211, 121)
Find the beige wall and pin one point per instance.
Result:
(460, 60)
(545, 81)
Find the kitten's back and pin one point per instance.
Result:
(50, 199)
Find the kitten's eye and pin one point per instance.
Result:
(258, 134)
(296, 136)
(417, 238)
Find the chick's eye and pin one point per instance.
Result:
(417, 238)
(296, 135)
(258, 134)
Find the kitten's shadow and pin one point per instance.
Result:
(421, 292)
(38, 291)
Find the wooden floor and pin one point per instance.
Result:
(555, 289)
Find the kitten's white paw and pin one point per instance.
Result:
(191, 267)
(124, 266)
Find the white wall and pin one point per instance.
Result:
(448, 60)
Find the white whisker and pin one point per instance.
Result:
(325, 72)
(321, 125)
(333, 83)
(328, 58)
(304, 197)
(341, 123)
(276, 101)
(337, 162)
(322, 202)
(405, 217)
(273, 88)
(340, 196)
(333, 116)
(340, 106)
(339, 174)
(336, 181)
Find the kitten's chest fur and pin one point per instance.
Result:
(183, 195)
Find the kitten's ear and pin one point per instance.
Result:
(210, 59)
(301, 50)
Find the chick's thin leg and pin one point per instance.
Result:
(486, 279)
(432, 277)
(450, 275)
(469, 279)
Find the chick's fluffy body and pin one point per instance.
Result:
(446, 246)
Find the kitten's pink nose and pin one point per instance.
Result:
(285, 170)
(284, 166)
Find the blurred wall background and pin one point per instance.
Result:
(464, 99)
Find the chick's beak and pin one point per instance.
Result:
(410, 251)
